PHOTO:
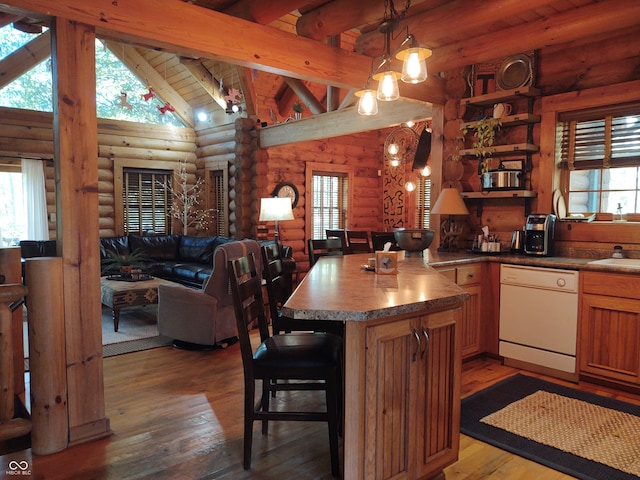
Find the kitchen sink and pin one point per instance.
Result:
(620, 262)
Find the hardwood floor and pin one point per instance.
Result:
(178, 414)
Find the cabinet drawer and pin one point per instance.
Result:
(611, 284)
(469, 274)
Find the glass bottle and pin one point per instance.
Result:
(619, 216)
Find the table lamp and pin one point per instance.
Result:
(274, 209)
(450, 203)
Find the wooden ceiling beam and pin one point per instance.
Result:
(305, 95)
(262, 12)
(344, 122)
(148, 75)
(25, 58)
(338, 16)
(235, 41)
(430, 27)
(7, 18)
(245, 76)
(593, 19)
(204, 77)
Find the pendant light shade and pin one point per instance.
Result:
(414, 67)
(368, 103)
(387, 85)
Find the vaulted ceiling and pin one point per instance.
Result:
(314, 50)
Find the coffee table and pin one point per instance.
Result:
(118, 294)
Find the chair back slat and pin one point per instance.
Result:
(358, 241)
(278, 288)
(324, 248)
(248, 304)
(342, 235)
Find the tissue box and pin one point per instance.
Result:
(387, 263)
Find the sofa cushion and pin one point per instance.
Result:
(156, 247)
(37, 248)
(119, 245)
(197, 249)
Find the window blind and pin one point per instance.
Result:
(329, 202)
(146, 201)
(423, 210)
(600, 138)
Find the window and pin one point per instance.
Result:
(327, 197)
(600, 156)
(146, 201)
(329, 202)
(13, 225)
(423, 207)
(216, 199)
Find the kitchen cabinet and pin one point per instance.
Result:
(469, 277)
(412, 396)
(609, 347)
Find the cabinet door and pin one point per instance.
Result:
(472, 342)
(610, 338)
(392, 352)
(437, 414)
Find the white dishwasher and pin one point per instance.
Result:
(539, 316)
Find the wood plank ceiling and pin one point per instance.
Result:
(460, 32)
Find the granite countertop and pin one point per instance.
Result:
(339, 288)
(438, 259)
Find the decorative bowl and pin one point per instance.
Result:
(414, 240)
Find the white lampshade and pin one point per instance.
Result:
(368, 103)
(450, 203)
(275, 209)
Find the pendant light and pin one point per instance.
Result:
(414, 67)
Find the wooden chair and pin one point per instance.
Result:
(358, 241)
(378, 239)
(308, 361)
(324, 248)
(279, 292)
(342, 235)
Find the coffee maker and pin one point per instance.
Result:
(539, 233)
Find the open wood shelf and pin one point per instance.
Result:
(501, 96)
(510, 120)
(499, 150)
(500, 194)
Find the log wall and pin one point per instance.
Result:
(362, 151)
(591, 63)
(26, 133)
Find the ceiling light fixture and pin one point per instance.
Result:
(413, 56)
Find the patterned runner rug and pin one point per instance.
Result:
(137, 330)
(578, 433)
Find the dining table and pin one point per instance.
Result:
(402, 361)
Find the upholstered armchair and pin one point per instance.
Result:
(204, 318)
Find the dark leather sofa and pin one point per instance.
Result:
(183, 259)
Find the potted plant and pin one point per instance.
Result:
(298, 108)
(125, 262)
(484, 134)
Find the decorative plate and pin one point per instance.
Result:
(515, 72)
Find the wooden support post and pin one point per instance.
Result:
(11, 270)
(76, 166)
(9, 293)
(49, 414)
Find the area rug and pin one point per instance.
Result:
(578, 433)
(137, 330)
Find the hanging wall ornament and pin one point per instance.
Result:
(166, 108)
(149, 95)
(123, 102)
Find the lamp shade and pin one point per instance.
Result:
(368, 103)
(450, 203)
(275, 209)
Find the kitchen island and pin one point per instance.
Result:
(402, 362)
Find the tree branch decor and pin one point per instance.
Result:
(185, 201)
